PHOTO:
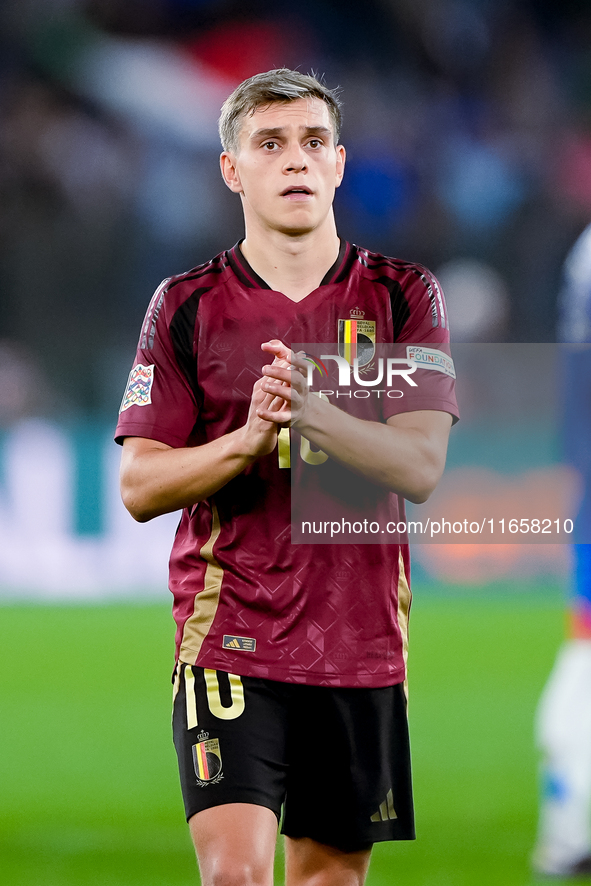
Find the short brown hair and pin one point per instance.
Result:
(280, 85)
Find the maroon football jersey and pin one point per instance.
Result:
(247, 600)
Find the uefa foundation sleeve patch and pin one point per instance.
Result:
(139, 387)
(431, 358)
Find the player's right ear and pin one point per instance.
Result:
(230, 172)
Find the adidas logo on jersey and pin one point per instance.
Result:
(386, 811)
(245, 644)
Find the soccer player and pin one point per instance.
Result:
(291, 658)
(564, 713)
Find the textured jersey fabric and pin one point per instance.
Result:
(246, 600)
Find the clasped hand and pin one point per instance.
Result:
(285, 380)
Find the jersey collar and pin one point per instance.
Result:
(249, 277)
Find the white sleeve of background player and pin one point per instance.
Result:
(575, 298)
(563, 720)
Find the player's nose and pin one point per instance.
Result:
(295, 158)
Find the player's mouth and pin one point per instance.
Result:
(297, 192)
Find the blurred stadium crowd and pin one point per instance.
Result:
(468, 126)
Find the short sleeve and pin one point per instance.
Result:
(424, 339)
(160, 401)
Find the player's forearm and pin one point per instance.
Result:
(405, 460)
(156, 480)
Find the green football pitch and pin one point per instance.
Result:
(88, 782)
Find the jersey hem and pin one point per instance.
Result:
(344, 681)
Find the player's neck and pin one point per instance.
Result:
(294, 266)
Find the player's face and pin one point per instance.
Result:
(288, 166)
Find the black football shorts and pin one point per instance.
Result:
(334, 764)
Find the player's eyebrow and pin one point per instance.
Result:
(278, 131)
(318, 130)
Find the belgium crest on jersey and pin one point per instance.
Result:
(357, 338)
(207, 760)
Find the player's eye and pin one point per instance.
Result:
(270, 146)
(314, 143)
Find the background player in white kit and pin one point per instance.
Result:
(564, 714)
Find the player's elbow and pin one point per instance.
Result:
(419, 496)
(423, 483)
(135, 494)
(139, 491)
(135, 504)
(140, 515)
